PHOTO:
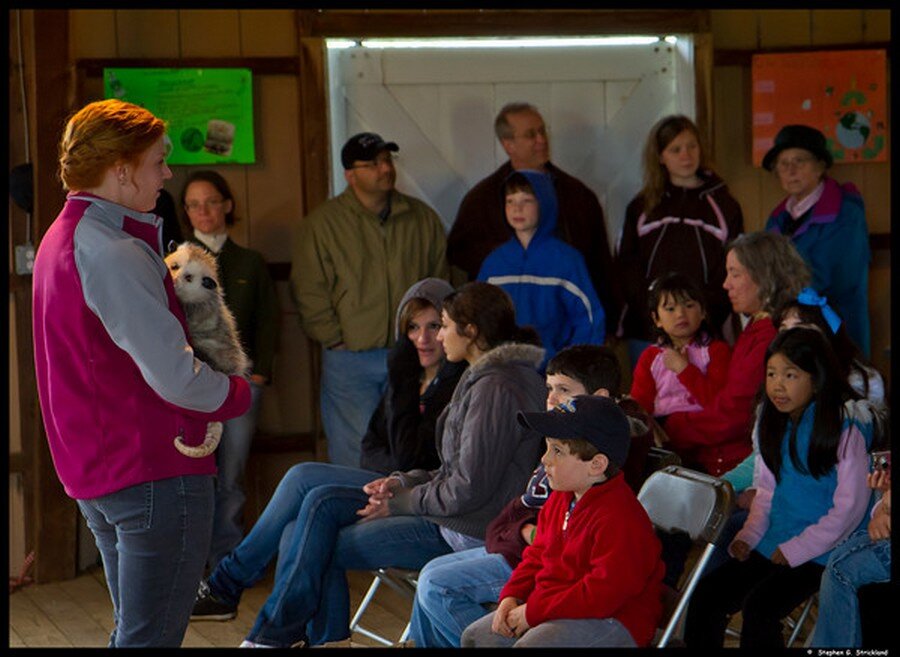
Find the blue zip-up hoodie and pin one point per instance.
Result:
(548, 282)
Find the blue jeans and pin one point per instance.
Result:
(353, 383)
(855, 562)
(153, 539)
(407, 542)
(231, 461)
(299, 524)
(310, 524)
(557, 633)
(451, 594)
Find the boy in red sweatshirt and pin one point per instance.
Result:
(593, 576)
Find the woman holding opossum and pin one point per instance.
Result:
(116, 376)
(250, 296)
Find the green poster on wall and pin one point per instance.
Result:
(209, 111)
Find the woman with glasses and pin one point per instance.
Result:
(826, 221)
(250, 295)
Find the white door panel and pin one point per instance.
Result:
(439, 105)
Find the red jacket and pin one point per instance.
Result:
(661, 392)
(504, 534)
(718, 438)
(606, 564)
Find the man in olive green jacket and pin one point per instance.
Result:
(353, 258)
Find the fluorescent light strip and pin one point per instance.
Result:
(543, 42)
(339, 44)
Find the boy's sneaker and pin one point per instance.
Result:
(208, 607)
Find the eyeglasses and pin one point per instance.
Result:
(387, 158)
(208, 203)
(532, 134)
(788, 164)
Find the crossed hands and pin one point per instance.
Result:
(379, 491)
(509, 619)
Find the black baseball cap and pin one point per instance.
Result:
(596, 419)
(364, 146)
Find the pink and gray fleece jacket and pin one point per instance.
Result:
(116, 375)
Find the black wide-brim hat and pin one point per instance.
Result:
(798, 136)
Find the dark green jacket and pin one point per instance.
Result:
(250, 295)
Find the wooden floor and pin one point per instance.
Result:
(78, 613)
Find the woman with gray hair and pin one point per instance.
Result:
(763, 271)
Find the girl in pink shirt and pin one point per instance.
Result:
(687, 366)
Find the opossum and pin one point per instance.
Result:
(214, 334)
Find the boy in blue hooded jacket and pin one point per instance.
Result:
(547, 279)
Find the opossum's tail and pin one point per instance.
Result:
(210, 442)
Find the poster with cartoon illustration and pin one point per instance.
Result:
(842, 93)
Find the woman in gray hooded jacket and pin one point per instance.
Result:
(319, 530)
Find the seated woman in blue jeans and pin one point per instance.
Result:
(324, 519)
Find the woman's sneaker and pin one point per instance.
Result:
(208, 607)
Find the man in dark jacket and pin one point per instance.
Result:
(481, 225)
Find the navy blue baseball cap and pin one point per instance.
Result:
(596, 419)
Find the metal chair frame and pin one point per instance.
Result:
(680, 499)
(402, 581)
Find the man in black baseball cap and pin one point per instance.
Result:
(353, 257)
(364, 147)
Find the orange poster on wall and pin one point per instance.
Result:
(841, 92)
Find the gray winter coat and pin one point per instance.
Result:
(486, 456)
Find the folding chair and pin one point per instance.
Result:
(678, 499)
(402, 581)
(658, 458)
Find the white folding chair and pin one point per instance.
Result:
(402, 581)
(679, 499)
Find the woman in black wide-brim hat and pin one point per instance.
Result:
(827, 223)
